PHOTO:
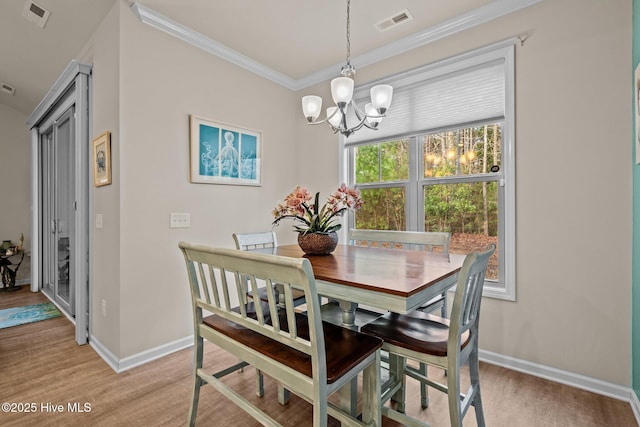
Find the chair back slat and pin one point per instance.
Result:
(228, 271)
(411, 240)
(466, 303)
(250, 241)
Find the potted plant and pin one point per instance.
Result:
(317, 225)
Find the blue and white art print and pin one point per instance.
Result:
(224, 154)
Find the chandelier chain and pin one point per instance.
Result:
(348, 34)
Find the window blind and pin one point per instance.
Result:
(426, 102)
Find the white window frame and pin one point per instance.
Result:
(505, 287)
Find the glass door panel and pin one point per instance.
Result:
(64, 209)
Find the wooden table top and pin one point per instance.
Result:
(391, 271)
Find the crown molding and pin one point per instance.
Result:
(455, 25)
(184, 33)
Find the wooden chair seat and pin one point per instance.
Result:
(416, 331)
(345, 349)
(298, 296)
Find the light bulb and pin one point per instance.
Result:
(311, 107)
(381, 97)
(337, 117)
(342, 90)
(372, 115)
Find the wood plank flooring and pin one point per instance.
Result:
(41, 364)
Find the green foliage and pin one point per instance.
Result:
(456, 207)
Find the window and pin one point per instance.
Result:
(442, 159)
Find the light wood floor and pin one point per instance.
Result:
(40, 363)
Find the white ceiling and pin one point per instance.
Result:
(293, 37)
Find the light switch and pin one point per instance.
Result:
(98, 220)
(179, 220)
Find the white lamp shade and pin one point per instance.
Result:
(381, 96)
(337, 117)
(311, 106)
(342, 90)
(370, 111)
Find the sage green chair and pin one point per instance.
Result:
(311, 358)
(253, 242)
(409, 240)
(446, 344)
(262, 240)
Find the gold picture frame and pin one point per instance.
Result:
(102, 159)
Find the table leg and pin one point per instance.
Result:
(348, 314)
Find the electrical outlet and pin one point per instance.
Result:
(179, 220)
(104, 308)
(98, 220)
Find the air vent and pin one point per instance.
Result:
(7, 89)
(398, 18)
(35, 13)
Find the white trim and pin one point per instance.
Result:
(572, 379)
(126, 363)
(455, 25)
(65, 80)
(156, 20)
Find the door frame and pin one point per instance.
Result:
(73, 83)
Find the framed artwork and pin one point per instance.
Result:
(224, 154)
(102, 160)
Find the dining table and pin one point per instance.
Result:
(396, 280)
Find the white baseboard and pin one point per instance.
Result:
(558, 375)
(121, 365)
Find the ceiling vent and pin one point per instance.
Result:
(35, 13)
(7, 89)
(397, 19)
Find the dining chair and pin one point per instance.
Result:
(410, 240)
(251, 242)
(312, 358)
(262, 240)
(436, 341)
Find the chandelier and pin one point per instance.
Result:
(342, 94)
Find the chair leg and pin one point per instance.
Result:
(474, 373)
(371, 411)
(453, 394)
(397, 366)
(283, 395)
(259, 383)
(424, 390)
(197, 382)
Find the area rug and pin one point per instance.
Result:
(27, 314)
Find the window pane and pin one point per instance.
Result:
(394, 161)
(462, 151)
(385, 162)
(383, 209)
(367, 163)
(469, 211)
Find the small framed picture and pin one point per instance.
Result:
(224, 154)
(102, 160)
